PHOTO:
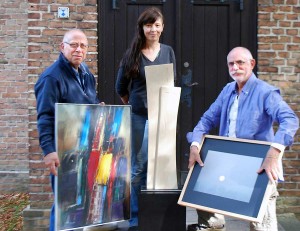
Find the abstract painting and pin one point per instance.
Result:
(93, 182)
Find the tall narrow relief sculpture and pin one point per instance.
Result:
(163, 101)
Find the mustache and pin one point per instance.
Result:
(237, 72)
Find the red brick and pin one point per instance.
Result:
(285, 8)
(34, 15)
(284, 24)
(291, 2)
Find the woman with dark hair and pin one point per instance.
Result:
(145, 50)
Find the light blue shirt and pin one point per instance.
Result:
(260, 105)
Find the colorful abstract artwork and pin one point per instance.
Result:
(93, 182)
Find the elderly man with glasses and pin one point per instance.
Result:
(67, 80)
(247, 108)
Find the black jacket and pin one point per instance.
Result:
(58, 84)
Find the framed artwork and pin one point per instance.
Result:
(93, 182)
(228, 182)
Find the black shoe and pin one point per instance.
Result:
(197, 227)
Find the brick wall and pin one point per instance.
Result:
(30, 36)
(45, 33)
(13, 96)
(279, 64)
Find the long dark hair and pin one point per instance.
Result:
(130, 61)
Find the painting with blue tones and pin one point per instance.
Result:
(93, 182)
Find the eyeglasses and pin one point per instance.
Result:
(238, 63)
(75, 45)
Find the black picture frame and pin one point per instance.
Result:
(228, 183)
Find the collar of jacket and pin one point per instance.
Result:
(66, 63)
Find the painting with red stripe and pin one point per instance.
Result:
(93, 182)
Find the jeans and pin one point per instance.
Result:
(139, 160)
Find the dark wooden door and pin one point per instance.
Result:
(201, 32)
(210, 29)
(117, 24)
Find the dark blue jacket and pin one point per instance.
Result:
(58, 84)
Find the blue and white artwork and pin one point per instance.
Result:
(220, 177)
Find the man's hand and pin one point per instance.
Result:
(194, 157)
(125, 99)
(270, 164)
(52, 161)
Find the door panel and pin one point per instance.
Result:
(201, 33)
